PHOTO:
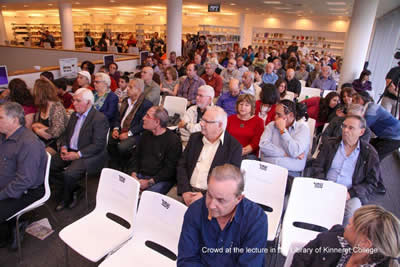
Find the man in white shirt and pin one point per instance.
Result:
(248, 85)
(240, 66)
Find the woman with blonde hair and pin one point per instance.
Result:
(372, 238)
(51, 118)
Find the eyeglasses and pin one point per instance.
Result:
(199, 95)
(98, 81)
(206, 121)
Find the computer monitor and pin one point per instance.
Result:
(143, 56)
(108, 59)
(3, 76)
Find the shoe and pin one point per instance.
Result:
(76, 196)
(22, 226)
(380, 189)
(60, 206)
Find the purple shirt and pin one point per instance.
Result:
(228, 102)
(324, 84)
(188, 88)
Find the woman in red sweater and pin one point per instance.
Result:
(245, 126)
(265, 107)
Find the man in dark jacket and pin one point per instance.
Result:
(351, 162)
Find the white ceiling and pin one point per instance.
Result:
(307, 8)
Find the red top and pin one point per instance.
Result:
(246, 132)
(132, 42)
(313, 109)
(270, 113)
(113, 85)
(215, 82)
(29, 109)
(66, 99)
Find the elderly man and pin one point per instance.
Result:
(224, 220)
(156, 155)
(227, 101)
(248, 85)
(278, 68)
(351, 162)
(240, 66)
(188, 87)
(198, 66)
(229, 73)
(83, 148)
(269, 75)
(165, 64)
(128, 127)
(293, 85)
(24, 164)
(213, 79)
(325, 80)
(211, 147)
(191, 120)
(151, 88)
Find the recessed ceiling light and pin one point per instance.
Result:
(49, 4)
(282, 7)
(112, 1)
(25, 5)
(3, 6)
(77, 3)
(272, 2)
(232, 4)
(336, 3)
(337, 9)
(247, 8)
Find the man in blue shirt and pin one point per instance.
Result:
(223, 228)
(325, 80)
(227, 100)
(269, 75)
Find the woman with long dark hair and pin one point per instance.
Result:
(19, 93)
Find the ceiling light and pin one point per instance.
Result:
(156, 7)
(232, 4)
(127, 8)
(25, 5)
(290, 12)
(337, 9)
(336, 3)
(247, 8)
(77, 3)
(50, 4)
(112, 1)
(272, 2)
(192, 7)
(282, 7)
(3, 6)
(100, 9)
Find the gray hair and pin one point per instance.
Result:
(208, 89)
(355, 109)
(221, 115)
(228, 172)
(139, 83)
(161, 114)
(211, 65)
(363, 123)
(86, 94)
(251, 74)
(104, 77)
(14, 110)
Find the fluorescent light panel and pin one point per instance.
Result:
(336, 3)
(272, 2)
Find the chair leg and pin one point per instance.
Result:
(18, 239)
(86, 192)
(66, 256)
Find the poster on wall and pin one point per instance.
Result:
(143, 57)
(68, 67)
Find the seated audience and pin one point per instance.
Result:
(19, 93)
(169, 85)
(51, 119)
(151, 88)
(180, 66)
(370, 239)
(346, 98)
(154, 160)
(190, 122)
(258, 73)
(260, 61)
(293, 85)
(269, 75)
(278, 68)
(188, 87)
(362, 83)
(80, 153)
(245, 126)
(281, 86)
(122, 91)
(224, 211)
(265, 107)
(212, 78)
(105, 100)
(211, 147)
(229, 73)
(198, 66)
(240, 66)
(113, 83)
(63, 95)
(314, 74)
(113, 72)
(286, 141)
(47, 75)
(84, 80)
(89, 67)
(248, 86)
(325, 80)
(302, 73)
(128, 126)
(227, 100)
(351, 162)
(22, 175)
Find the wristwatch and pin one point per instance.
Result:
(282, 131)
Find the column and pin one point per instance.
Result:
(3, 33)
(357, 39)
(242, 37)
(67, 32)
(174, 26)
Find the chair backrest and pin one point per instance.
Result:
(175, 104)
(308, 92)
(289, 95)
(326, 92)
(118, 193)
(296, 246)
(160, 220)
(311, 126)
(133, 50)
(303, 83)
(265, 184)
(315, 204)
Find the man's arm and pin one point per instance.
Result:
(318, 165)
(172, 154)
(137, 128)
(182, 176)
(266, 145)
(99, 137)
(298, 143)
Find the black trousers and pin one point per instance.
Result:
(67, 174)
(120, 151)
(384, 147)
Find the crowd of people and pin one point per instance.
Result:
(240, 106)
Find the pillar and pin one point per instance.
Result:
(174, 26)
(67, 31)
(357, 39)
(3, 33)
(242, 30)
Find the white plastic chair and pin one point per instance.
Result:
(311, 202)
(296, 246)
(175, 104)
(303, 83)
(265, 184)
(112, 221)
(318, 148)
(34, 205)
(326, 92)
(289, 95)
(133, 50)
(311, 126)
(308, 92)
(159, 220)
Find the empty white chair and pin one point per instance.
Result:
(303, 83)
(296, 246)
(35, 204)
(308, 92)
(289, 95)
(112, 221)
(175, 104)
(311, 126)
(326, 92)
(159, 223)
(317, 205)
(265, 184)
(133, 50)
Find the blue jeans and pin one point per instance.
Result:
(162, 187)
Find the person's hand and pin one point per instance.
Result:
(123, 136)
(190, 197)
(181, 124)
(247, 150)
(348, 196)
(115, 134)
(144, 184)
(339, 113)
(5, 93)
(280, 124)
(70, 156)
(301, 156)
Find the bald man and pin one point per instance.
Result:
(269, 75)
(227, 101)
(151, 88)
(293, 85)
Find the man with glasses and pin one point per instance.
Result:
(211, 147)
(230, 72)
(349, 161)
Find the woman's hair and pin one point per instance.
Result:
(19, 93)
(103, 35)
(259, 70)
(324, 109)
(43, 92)
(278, 83)
(269, 94)
(172, 71)
(299, 109)
(364, 73)
(346, 90)
(90, 66)
(246, 98)
(382, 228)
(49, 75)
